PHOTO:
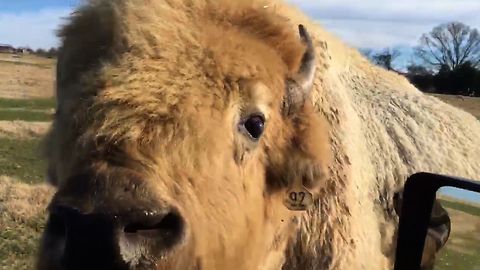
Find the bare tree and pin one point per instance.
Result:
(52, 52)
(451, 45)
(384, 58)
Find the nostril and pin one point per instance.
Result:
(54, 237)
(165, 230)
(75, 239)
(168, 222)
(56, 225)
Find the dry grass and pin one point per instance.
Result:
(22, 129)
(469, 104)
(27, 59)
(22, 159)
(26, 77)
(22, 218)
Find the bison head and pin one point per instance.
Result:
(179, 128)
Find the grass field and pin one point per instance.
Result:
(22, 219)
(26, 107)
(19, 242)
(462, 251)
(28, 104)
(26, 77)
(464, 207)
(21, 159)
(31, 110)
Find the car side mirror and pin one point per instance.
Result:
(419, 195)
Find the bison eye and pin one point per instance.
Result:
(254, 125)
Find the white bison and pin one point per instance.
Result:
(182, 124)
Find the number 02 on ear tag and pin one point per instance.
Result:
(298, 199)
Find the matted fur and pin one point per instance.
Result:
(140, 79)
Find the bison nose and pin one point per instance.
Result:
(162, 230)
(112, 241)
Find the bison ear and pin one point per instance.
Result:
(299, 86)
(309, 156)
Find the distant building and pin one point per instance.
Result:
(24, 50)
(5, 48)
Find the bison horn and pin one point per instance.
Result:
(307, 68)
(300, 85)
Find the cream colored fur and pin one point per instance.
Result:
(385, 129)
(381, 129)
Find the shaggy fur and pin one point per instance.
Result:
(151, 93)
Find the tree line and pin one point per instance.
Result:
(50, 53)
(447, 60)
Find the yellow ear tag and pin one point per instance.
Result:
(298, 198)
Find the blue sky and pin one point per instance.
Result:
(362, 24)
(32, 22)
(18, 6)
(462, 194)
(378, 23)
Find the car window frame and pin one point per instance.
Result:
(419, 193)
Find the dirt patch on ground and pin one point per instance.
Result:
(22, 129)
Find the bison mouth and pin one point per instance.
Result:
(135, 240)
(167, 229)
(151, 236)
